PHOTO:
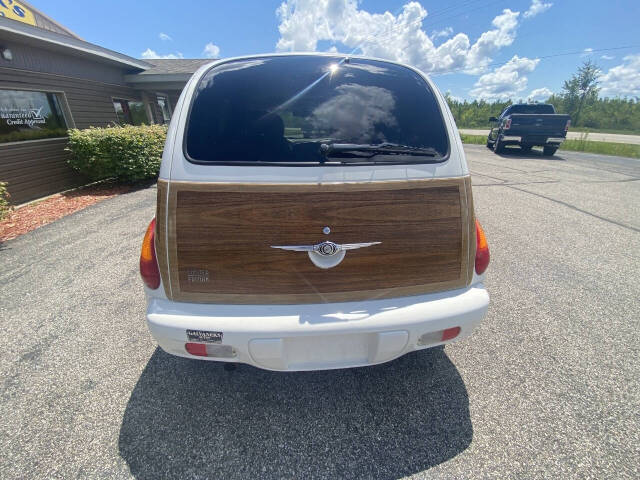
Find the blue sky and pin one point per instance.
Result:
(493, 47)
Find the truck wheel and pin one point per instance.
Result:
(549, 151)
(498, 146)
(526, 148)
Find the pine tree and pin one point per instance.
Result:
(581, 89)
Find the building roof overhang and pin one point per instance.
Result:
(38, 37)
(167, 74)
(142, 80)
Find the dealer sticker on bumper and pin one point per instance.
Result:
(204, 336)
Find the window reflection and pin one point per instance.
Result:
(354, 113)
(29, 115)
(130, 112)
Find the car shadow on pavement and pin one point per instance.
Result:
(193, 419)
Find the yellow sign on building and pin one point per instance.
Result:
(16, 11)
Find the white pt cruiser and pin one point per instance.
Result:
(314, 212)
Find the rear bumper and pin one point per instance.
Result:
(319, 336)
(542, 140)
(512, 138)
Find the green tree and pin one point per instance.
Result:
(580, 90)
(615, 114)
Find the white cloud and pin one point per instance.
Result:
(540, 94)
(607, 57)
(586, 52)
(492, 40)
(536, 7)
(505, 81)
(211, 50)
(164, 36)
(400, 37)
(622, 80)
(445, 32)
(150, 54)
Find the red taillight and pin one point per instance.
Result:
(148, 264)
(199, 349)
(507, 124)
(482, 250)
(566, 127)
(450, 333)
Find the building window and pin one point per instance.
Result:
(163, 103)
(27, 115)
(130, 112)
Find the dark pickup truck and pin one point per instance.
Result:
(528, 125)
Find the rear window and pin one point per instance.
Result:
(543, 109)
(282, 109)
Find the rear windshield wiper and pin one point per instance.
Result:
(355, 150)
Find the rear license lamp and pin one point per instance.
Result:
(209, 350)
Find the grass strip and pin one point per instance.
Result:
(605, 148)
(473, 139)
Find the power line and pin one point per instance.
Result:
(431, 17)
(542, 57)
(439, 13)
(381, 37)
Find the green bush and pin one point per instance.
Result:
(5, 205)
(125, 153)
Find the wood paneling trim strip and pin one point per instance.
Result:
(161, 235)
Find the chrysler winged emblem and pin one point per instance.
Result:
(326, 254)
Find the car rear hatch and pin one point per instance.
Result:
(227, 233)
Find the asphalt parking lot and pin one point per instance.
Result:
(547, 387)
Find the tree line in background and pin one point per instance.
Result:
(579, 99)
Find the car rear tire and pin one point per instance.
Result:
(549, 151)
(498, 146)
(489, 142)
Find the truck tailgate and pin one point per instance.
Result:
(538, 124)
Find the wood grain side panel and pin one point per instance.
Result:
(471, 227)
(161, 236)
(227, 230)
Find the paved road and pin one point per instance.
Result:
(593, 136)
(548, 387)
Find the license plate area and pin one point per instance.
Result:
(327, 350)
(317, 352)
